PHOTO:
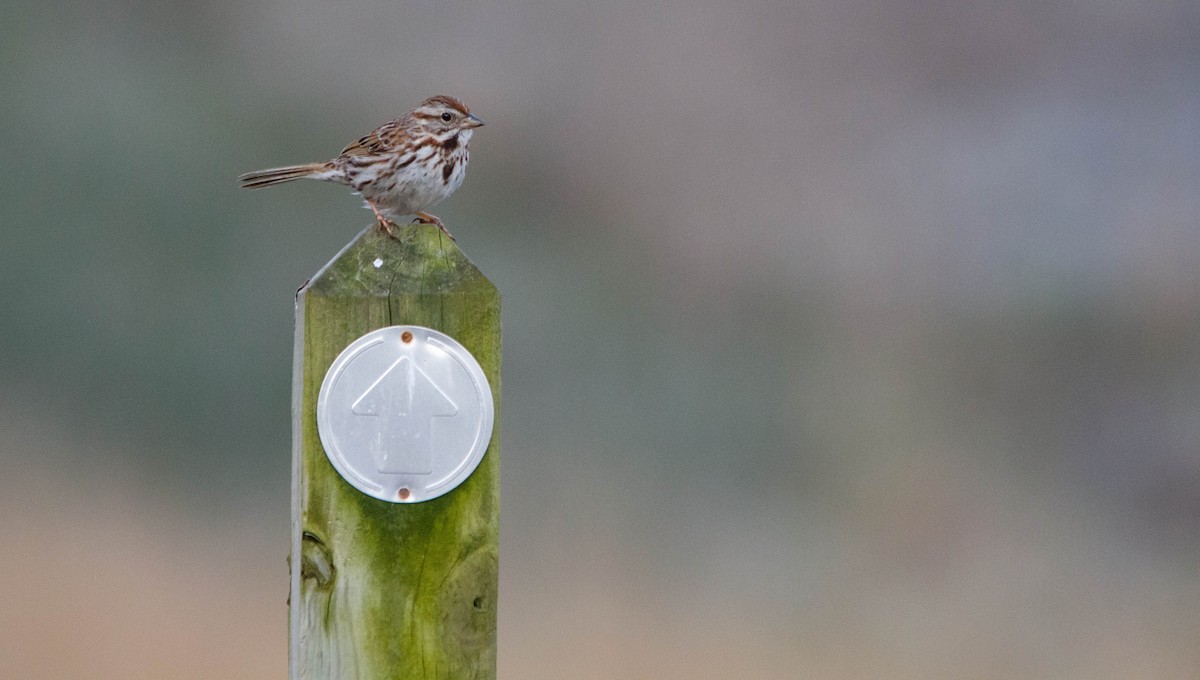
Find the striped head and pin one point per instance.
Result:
(444, 117)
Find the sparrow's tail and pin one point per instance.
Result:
(272, 176)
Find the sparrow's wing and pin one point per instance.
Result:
(382, 139)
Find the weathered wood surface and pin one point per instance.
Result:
(386, 590)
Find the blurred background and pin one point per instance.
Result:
(842, 339)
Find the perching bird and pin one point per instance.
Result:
(405, 167)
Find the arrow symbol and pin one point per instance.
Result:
(405, 400)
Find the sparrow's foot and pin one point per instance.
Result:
(382, 223)
(426, 218)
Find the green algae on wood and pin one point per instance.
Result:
(378, 589)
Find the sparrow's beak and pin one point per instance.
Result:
(472, 121)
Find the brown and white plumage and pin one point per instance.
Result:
(403, 167)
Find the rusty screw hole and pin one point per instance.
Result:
(404, 493)
(406, 337)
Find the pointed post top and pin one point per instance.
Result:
(418, 259)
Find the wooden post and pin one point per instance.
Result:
(379, 589)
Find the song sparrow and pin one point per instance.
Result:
(405, 167)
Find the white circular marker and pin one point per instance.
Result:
(405, 414)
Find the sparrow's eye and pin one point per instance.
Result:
(447, 117)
